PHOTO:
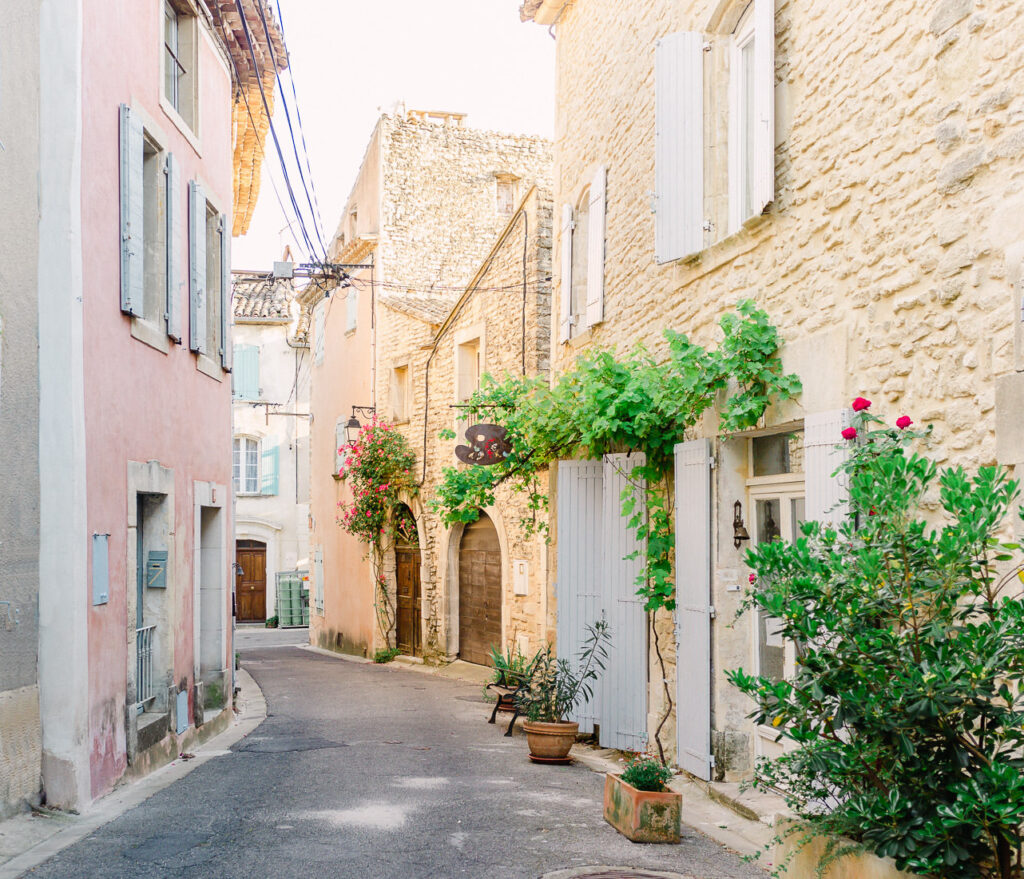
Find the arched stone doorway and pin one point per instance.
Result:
(407, 583)
(479, 591)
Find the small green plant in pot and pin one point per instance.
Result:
(555, 689)
(638, 803)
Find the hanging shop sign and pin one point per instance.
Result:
(488, 444)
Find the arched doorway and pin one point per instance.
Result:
(479, 591)
(407, 580)
(251, 588)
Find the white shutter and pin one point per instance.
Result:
(624, 684)
(764, 104)
(679, 146)
(319, 330)
(132, 213)
(226, 299)
(175, 253)
(197, 267)
(340, 440)
(565, 320)
(595, 247)
(318, 579)
(577, 591)
(823, 454)
(693, 606)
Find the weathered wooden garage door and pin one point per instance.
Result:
(407, 574)
(479, 591)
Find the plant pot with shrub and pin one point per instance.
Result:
(638, 803)
(555, 689)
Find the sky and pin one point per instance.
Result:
(353, 59)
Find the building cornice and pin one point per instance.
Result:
(542, 11)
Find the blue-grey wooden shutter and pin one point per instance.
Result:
(565, 293)
(763, 184)
(132, 213)
(226, 310)
(100, 568)
(318, 579)
(578, 588)
(596, 247)
(679, 146)
(175, 251)
(693, 606)
(197, 267)
(623, 686)
(823, 454)
(246, 376)
(268, 470)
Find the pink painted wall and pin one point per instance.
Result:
(343, 380)
(142, 404)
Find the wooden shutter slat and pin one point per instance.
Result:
(175, 255)
(764, 104)
(823, 453)
(132, 212)
(679, 146)
(269, 470)
(197, 267)
(565, 293)
(226, 311)
(596, 247)
(693, 606)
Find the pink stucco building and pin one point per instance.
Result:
(140, 170)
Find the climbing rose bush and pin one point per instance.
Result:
(377, 467)
(904, 714)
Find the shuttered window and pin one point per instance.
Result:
(246, 378)
(197, 267)
(595, 248)
(132, 213)
(269, 462)
(565, 291)
(319, 328)
(224, 306)
(826, 497)
(175, 249)
(351, 309)
(246, 465)
(318, 580)
(679, 146)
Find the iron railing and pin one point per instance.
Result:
(145, 686)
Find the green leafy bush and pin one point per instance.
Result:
(511, 666)
(905, 711)
(385, 655)
(272, 622)
(645, 772)
(555, 687)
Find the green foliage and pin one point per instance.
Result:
(385, 655)
(612, 404)
(645, 772)
(272, 622)
(905, 710)
(555, 688)
(511, 666)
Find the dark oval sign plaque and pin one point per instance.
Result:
(487, 445)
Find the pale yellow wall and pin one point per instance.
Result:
(889, 258)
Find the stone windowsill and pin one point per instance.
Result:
(181, 125)
(209, 366)
(150, 334)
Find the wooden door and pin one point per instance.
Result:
(252, 582)
(479, 591)
(407, 623)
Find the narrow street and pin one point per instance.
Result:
(373, 771)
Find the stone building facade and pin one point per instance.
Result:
(429, 202)
(865, 197)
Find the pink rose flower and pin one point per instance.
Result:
(752, 578)
(860, 404)
(850, 433)
(903, 422)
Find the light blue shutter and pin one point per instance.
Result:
(318, 580)
(197, 267)
(565, 293)
(595, 247)
(763, 184)
(175, 254)
(268, 470)
(246, 376)
(226, 311)
(679, 146)
(100, 568)
(623, 685)
(823, 454)
(693, 606)
(578, 588)
(132, 213)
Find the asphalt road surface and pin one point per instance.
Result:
(373, 771)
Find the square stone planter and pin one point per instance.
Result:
(639, 815)
(798, 854)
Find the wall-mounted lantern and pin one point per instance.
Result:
(739, 530)
(352, 426)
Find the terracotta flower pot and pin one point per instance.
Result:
(550, 742)
(640, 815)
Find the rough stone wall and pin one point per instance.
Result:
(890, 255)
(495, 307)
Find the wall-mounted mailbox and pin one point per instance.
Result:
(520, 577)
(100, 569)
(156, 569)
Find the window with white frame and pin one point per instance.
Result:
(246, 465)
(700, 80)
(180, 59)
(209, 244)
(468, 368)
(582, 255)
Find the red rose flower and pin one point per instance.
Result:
(752, 578)
(850, 433)
(903, 422)
(860, 403)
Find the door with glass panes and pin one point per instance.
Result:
(775, 491)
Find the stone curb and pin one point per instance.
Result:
(252, 712)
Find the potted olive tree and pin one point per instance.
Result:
(638, 803)
(555, 689)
